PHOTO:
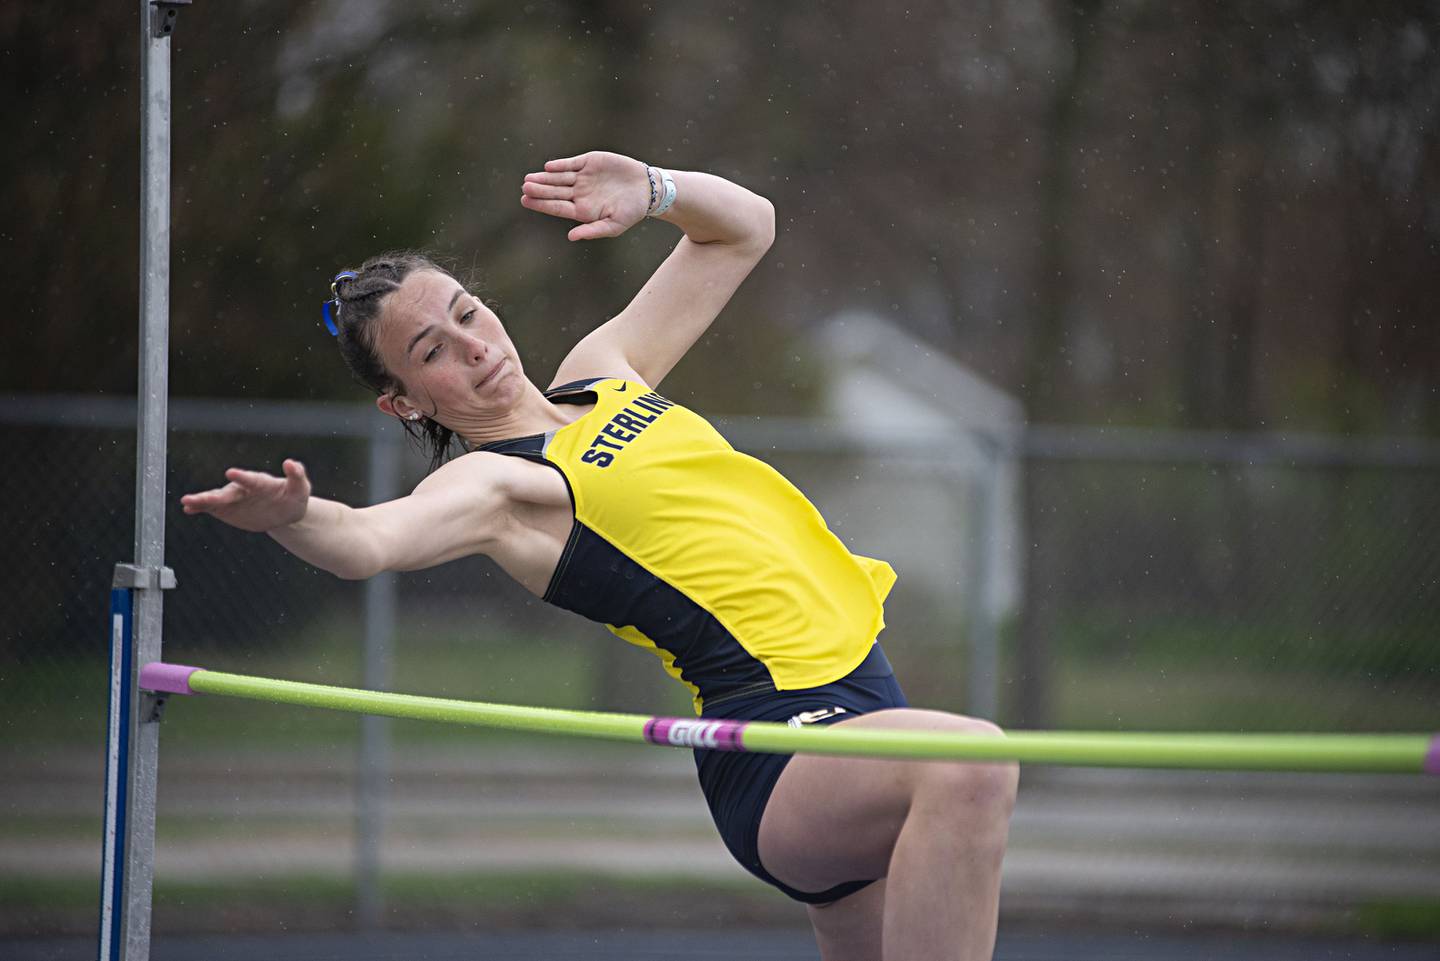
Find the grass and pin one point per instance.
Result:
(1398, 651)
(1127, 697)
(1134, 672)
(1416, 919)
(52, 704)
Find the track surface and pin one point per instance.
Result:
(762, 945)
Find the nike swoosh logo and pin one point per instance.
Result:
(622, 388)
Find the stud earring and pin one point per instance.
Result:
(414, 415)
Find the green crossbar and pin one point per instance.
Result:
(1336, 753)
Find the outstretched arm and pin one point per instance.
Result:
(455, 512)
(727, 230)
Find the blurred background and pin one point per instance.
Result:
(1144, 297)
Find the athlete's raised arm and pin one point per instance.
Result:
(727, 230)
(455, 512)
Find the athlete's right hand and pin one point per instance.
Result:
(253, 501)
(606, 192)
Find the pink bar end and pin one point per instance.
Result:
(1432, 756)
(165, 678)
(718, 735)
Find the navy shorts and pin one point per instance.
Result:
(737, 785)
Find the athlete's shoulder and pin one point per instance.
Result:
(469, 468)
(491, 480)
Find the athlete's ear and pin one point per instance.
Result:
(396, 406)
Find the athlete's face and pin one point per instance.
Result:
(449, 351)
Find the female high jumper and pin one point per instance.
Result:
(603, 497)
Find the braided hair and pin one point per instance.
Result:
(359, 295)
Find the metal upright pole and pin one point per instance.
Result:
(137, 600)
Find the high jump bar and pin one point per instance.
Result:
(1334, 753)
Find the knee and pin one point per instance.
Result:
(984, 790)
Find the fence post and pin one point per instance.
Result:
(374, 762)
(982, 671)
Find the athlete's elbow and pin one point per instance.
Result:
(764, 230)
(758, 233)
(360, 563)
(349, 571)
(352, 568)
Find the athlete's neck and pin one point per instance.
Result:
(531, 413)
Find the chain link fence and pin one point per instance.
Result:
(1169, 582)
(1234, 584)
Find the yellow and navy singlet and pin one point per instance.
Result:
(706, 556)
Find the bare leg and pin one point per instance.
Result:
(935, 830)
(849, 929)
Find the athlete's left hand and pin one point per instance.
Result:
(606, 192)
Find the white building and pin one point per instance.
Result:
(953, 529)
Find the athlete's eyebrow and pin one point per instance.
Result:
(416, 339)
(448, 307)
